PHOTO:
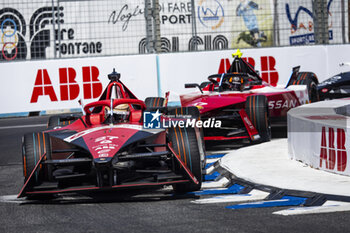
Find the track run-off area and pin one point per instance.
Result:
(220, 206)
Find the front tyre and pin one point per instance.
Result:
(184, 143)
(192, 112)
(34, 146)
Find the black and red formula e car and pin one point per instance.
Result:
(335, 87)
(108, 148)
(246, 105)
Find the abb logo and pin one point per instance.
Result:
(331, 156)
(69, 88)
(268, 72)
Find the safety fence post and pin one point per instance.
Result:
(320, 16)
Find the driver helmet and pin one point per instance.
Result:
(236, 83)
(120, 113)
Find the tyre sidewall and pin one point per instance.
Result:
(184, 143)
(257, 110)
(33, 147)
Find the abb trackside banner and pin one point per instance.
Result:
(319, 137)
(274, 64)
(59, 84)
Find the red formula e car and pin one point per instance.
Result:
(109, 148)
(245, 104)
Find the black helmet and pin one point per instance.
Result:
(236, 83)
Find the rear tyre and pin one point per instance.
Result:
(310, 80)
(257, 110)
(184, 143)
(33, 147)
(154, 102)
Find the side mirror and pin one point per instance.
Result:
(193, 85)
(81, 106)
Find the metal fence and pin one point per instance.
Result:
(51, 29)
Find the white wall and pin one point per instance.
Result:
(177, 69)
(139, 72)
(319, 137)
(18, 79)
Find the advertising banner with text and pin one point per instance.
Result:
(67, 29)
(59, 84)
(274, 64)
(299, 19)
(320, 138)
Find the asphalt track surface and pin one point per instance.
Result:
(140, 211)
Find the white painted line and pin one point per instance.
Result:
(328, 207)
(12, 199)
(210, 170)
(22, 126)
(254, 195)
(212, 160)
(215, 184)
(219, 152)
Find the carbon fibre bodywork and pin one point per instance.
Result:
(338, 86)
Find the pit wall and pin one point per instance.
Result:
(58, 84)
(319, 135)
